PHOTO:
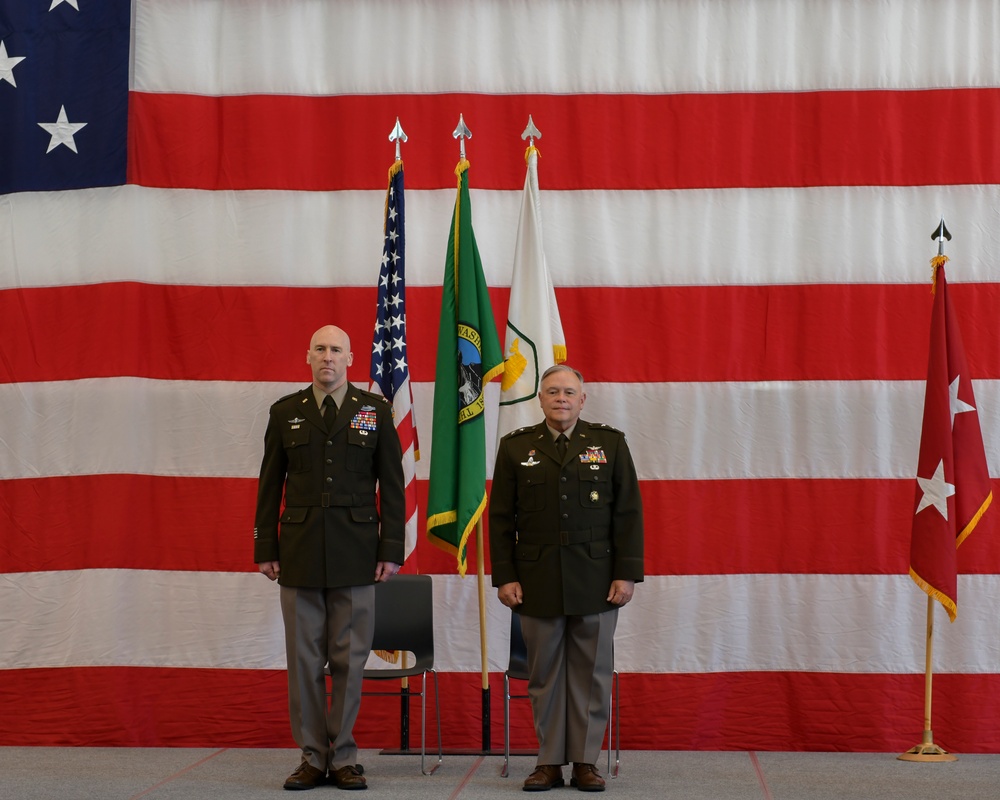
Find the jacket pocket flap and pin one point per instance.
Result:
(526, 552)
(364, 513)
(600, 549)
(295, 438)
(360, 437)
(295, 514)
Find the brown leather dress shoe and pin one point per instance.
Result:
(586, 778)
(348, 777)
(545, 777)
(306, 776)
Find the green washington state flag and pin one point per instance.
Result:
(468, 357)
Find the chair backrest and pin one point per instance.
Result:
(517, 663)
(404, 617)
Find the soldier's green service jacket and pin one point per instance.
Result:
(565, 529)
(328, 532)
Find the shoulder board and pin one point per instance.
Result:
(290, 396)
(519, 431)
(602, 426)
(373, 396)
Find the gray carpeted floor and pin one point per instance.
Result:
(39, 773)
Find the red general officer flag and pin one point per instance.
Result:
(953, 481)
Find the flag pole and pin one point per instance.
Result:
(398, 136)
(927, 750)
(462, 133)
(481, 578)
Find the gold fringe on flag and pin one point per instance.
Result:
(937, 261)
(397, 167)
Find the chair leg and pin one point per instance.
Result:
(614, 719)
(505, 769)
(423, 723)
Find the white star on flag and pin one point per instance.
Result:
(7, 64)
(936, 491)
(62, 131)
(957, 406)
(57, 2)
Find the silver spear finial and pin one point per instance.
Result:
(397, 136)
(531, 132)
(462, 133)
(939, 235)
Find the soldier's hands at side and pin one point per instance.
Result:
(272, 569)
(510, 594)
(621, 592)
(385, 570)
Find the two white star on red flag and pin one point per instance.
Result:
(936, 491)
(957, 406)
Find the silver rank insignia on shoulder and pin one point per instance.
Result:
(531, 460)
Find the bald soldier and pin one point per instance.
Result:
(327, 448)
(566, 544)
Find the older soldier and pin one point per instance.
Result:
(566, 543)
(326, 449)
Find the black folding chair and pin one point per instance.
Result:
(404, 622)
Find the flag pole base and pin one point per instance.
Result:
(927, 751)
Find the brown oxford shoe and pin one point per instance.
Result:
(545, 777)
(306, 776)
(586, 778)
(348, 777)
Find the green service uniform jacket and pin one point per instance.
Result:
(328, 533)
(565, 530)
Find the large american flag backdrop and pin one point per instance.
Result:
(737, 201)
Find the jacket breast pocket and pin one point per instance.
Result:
(595, 486)
(296, 444)
(531, 491)
(360, 449)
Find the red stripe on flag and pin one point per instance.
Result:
(712, 711)
(796, 332)
(704, 527)
(125, 521)
(728, 139)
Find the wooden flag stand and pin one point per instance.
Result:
(927, 750)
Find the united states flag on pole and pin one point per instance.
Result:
(390, 370)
